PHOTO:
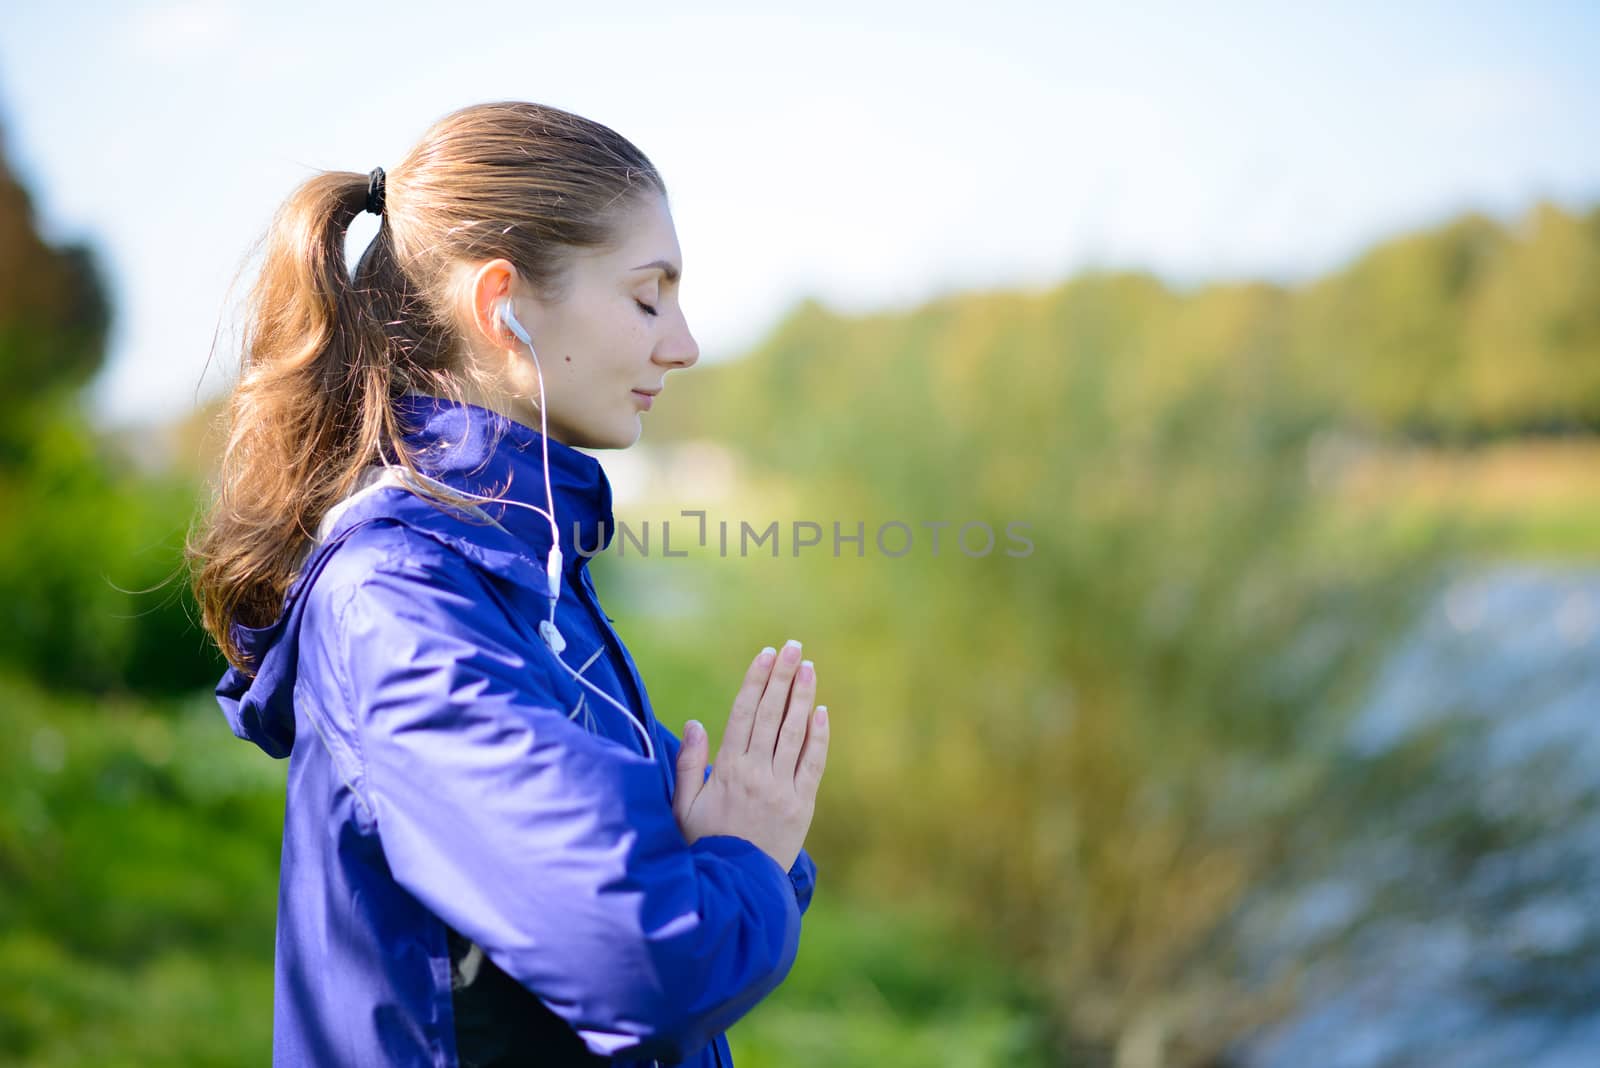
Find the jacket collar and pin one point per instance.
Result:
(479, 451)
(468, 448)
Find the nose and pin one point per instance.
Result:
(681, 350)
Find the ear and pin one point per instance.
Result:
(488, 285)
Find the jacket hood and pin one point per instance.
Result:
(468, 448)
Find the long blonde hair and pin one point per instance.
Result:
(323, 355)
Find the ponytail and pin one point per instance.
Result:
(308, 412)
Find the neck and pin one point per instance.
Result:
(520, 409)
(460, 446)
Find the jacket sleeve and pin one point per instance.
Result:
(802, 873)
(553, 848)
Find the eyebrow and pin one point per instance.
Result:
(666, 268)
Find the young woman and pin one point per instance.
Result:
(493, 853)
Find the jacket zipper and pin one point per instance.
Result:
(613, 646)
(625, 676)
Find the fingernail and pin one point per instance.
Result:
(765, 656)
(788, 645)
(807, 669)
(822, 715)
(691, 730)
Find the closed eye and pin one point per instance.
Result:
(645, 307)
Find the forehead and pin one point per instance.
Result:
(646, 233)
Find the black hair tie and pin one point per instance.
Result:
(375, 183)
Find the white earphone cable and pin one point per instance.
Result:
(547, 628)
(552, 636)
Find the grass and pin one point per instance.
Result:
(890, 985)
(1525, 499)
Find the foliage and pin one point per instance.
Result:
(54, 313)
(1468, 331)
(92, 593)
(138, 883)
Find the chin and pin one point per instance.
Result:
(631, 435)
(621, 435)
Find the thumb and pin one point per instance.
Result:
(692, 756)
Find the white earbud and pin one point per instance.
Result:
(509, 318)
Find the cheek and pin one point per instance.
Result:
(634, 342)
(641, 326)
(611, 359)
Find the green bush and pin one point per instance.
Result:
(138, 883)
(92, 593)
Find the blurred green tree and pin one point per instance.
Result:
(54, 314)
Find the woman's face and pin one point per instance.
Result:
(619, 331)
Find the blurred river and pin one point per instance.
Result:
(1458, 921)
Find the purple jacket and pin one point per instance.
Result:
(480, 863)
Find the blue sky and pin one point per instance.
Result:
(872, 155)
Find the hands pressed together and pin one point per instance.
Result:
(763, 784)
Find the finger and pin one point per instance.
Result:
(793, 732)
(736, 739)
(691, 768)
(814, 757)
(769, 713)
